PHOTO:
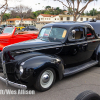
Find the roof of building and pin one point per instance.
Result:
(14, 19)
(66, 11)
(48, 15)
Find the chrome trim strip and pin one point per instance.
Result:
(16, 85)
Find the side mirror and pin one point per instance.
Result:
(73, 34)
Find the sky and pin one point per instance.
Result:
(40, 4)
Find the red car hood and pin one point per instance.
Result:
(6, 35)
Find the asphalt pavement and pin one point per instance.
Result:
(66, 89)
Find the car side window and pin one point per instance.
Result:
(90, 34)
(78, 34)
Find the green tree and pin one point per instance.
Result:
(17, 17)
(93, 12)
(6, 16)
(47, 7)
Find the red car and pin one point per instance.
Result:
(10, 36)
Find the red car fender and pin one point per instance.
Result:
(1, 47)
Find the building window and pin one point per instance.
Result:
(11, 21)
(87, 19)
(68, 18)
(61, 18)
(49, 18)
(81, 19)
(45, 18)
(55, 18)
(42, 18)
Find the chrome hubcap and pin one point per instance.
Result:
(46, 79)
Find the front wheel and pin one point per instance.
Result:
(45, 79)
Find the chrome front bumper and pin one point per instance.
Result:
(20, 86)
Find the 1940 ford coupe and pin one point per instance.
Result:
(61, 49)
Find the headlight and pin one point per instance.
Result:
(21, 70)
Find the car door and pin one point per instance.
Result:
(93, 42)
(75, 51)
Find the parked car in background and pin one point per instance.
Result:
(2, 28)
(20, 27)
(10, 36)
(30, 28)
(10, 26)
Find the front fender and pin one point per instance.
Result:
(1, 47)
(39, 63)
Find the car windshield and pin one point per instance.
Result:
(53, 34)
(8, 30)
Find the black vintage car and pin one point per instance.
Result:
(61, 49)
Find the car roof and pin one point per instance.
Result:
(65, 24)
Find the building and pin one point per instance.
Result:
(3, 23)
(17, 21)
(43, 19)
(65, 12)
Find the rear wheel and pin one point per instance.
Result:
(45, 79)
(88, 95)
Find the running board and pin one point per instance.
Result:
(76, 69)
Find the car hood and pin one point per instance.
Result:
(6, 35)
(32, 44)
